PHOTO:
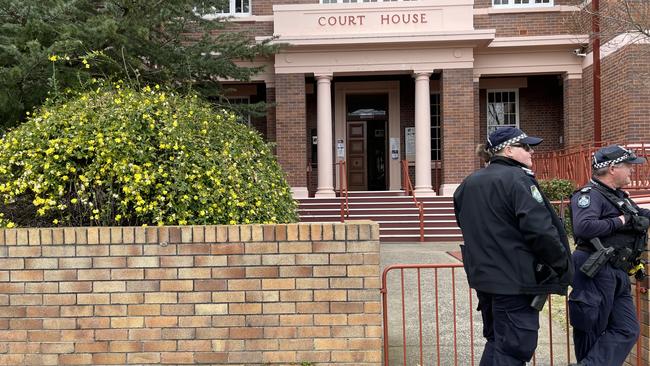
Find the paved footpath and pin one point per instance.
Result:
(443, 328)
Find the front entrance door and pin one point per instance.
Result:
(366, 155)
(357, 156)
(366, 116)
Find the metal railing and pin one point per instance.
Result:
(343, 190)
(407, 186)
(441, 329)
(574, 163)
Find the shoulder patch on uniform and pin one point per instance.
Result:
(584, 201)
(536, 194)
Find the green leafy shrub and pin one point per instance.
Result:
(119, 156)
(557, 190)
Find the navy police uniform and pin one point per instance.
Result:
(515, 247)
(601, 309)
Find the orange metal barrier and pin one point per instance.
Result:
(574, 163)
(343, 190)
(407, 186)
(441, 329)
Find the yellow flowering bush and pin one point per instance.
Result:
(120, 156)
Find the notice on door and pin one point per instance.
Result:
(394, 148)
(409, 141)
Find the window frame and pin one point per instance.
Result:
(435, 152)
(231, 5)
(487, 107)
(512, 5)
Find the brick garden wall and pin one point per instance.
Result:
(185, 295)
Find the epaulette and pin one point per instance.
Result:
(528, 171)
(585, 189)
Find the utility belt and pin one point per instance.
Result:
(619, 258)
(622, 258)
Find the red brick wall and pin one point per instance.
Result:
(573, 118)
(540, 110)
(523, 24)
(478, 138)
(265, 7)
(457, 98)
(291, 134)
(252, 28)
(311, 124)
(637, 88)
(273, 294)
(625, 76)
(270, 115)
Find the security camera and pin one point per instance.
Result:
(580, 52)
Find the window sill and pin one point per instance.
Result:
(240, 17)
(539, 9)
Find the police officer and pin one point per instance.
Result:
(515, 247)
(605, 327)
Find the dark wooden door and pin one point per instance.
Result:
(356, 159)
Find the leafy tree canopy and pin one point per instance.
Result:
(119, 156)
(51, 45)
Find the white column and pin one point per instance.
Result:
(422, 136)
(324, 131)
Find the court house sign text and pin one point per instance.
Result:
(383, 19)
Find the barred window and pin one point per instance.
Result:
(502, 109)
(521, 3)
(436, 146)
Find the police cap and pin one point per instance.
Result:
(506, 136)
(614, 154)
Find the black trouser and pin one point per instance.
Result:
(510, 326)
(605, 327)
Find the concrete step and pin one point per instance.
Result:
(372, 205)
(397, 215)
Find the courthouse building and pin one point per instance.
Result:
(374, 83)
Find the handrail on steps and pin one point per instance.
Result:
(343, 190)
(408, 189)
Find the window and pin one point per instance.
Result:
(435, 127)
(521, 3)
(235, 8)
(502, 109)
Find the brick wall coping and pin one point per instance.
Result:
(351, 230)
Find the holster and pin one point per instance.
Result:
(598, 259)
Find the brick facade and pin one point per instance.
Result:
(272, 294)
(624, 94)
(271, 130)
(291, 127)
(573, 118)
(541, 112)
(552, 106)
(457, 99)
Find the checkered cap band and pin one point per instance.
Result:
(621, 159)
(502, 145)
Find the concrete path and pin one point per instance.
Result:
(453, 348)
